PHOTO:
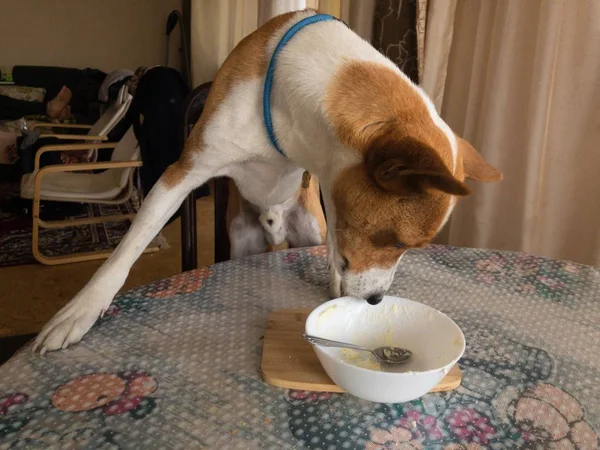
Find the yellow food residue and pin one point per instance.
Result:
(360, 359)
(327, 312)
(389, 337)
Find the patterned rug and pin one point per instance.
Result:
(16, 228)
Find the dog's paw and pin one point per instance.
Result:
(72, 322)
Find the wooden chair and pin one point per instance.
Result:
(61, 182)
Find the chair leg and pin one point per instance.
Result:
(77, 257)
(222, 244)
(85, 221)
(189, 256)
(35, 234)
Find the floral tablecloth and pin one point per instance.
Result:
(175, 364)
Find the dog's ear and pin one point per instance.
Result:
(475, 167)
(408, 167)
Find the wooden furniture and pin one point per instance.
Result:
(62, 182)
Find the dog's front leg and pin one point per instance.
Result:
(71, 323)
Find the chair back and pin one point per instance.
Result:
(127, 149)
(113, 114)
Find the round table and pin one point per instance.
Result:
(176, 364)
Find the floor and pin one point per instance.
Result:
(32, 294)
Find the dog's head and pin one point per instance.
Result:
(400, 194)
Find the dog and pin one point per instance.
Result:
(390, 169)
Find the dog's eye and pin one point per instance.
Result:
(399, 245)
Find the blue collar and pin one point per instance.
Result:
(271, 71)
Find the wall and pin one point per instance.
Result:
(101, 34)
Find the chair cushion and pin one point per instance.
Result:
(70, 186)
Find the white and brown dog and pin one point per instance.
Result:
(389, 167)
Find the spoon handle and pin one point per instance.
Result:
(329, 343)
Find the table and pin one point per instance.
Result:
(175, 364)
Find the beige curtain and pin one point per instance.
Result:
(358, 14)
(435, 28)
(523, 86)
(218, 25)
(420, 29)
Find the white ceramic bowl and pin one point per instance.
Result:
(436, 341)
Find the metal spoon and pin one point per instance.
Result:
(387, 355)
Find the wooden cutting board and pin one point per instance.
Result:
(290, 362)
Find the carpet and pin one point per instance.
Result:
(16, 227)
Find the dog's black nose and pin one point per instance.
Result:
(375, 299)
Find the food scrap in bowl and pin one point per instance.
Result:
(360, 359)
